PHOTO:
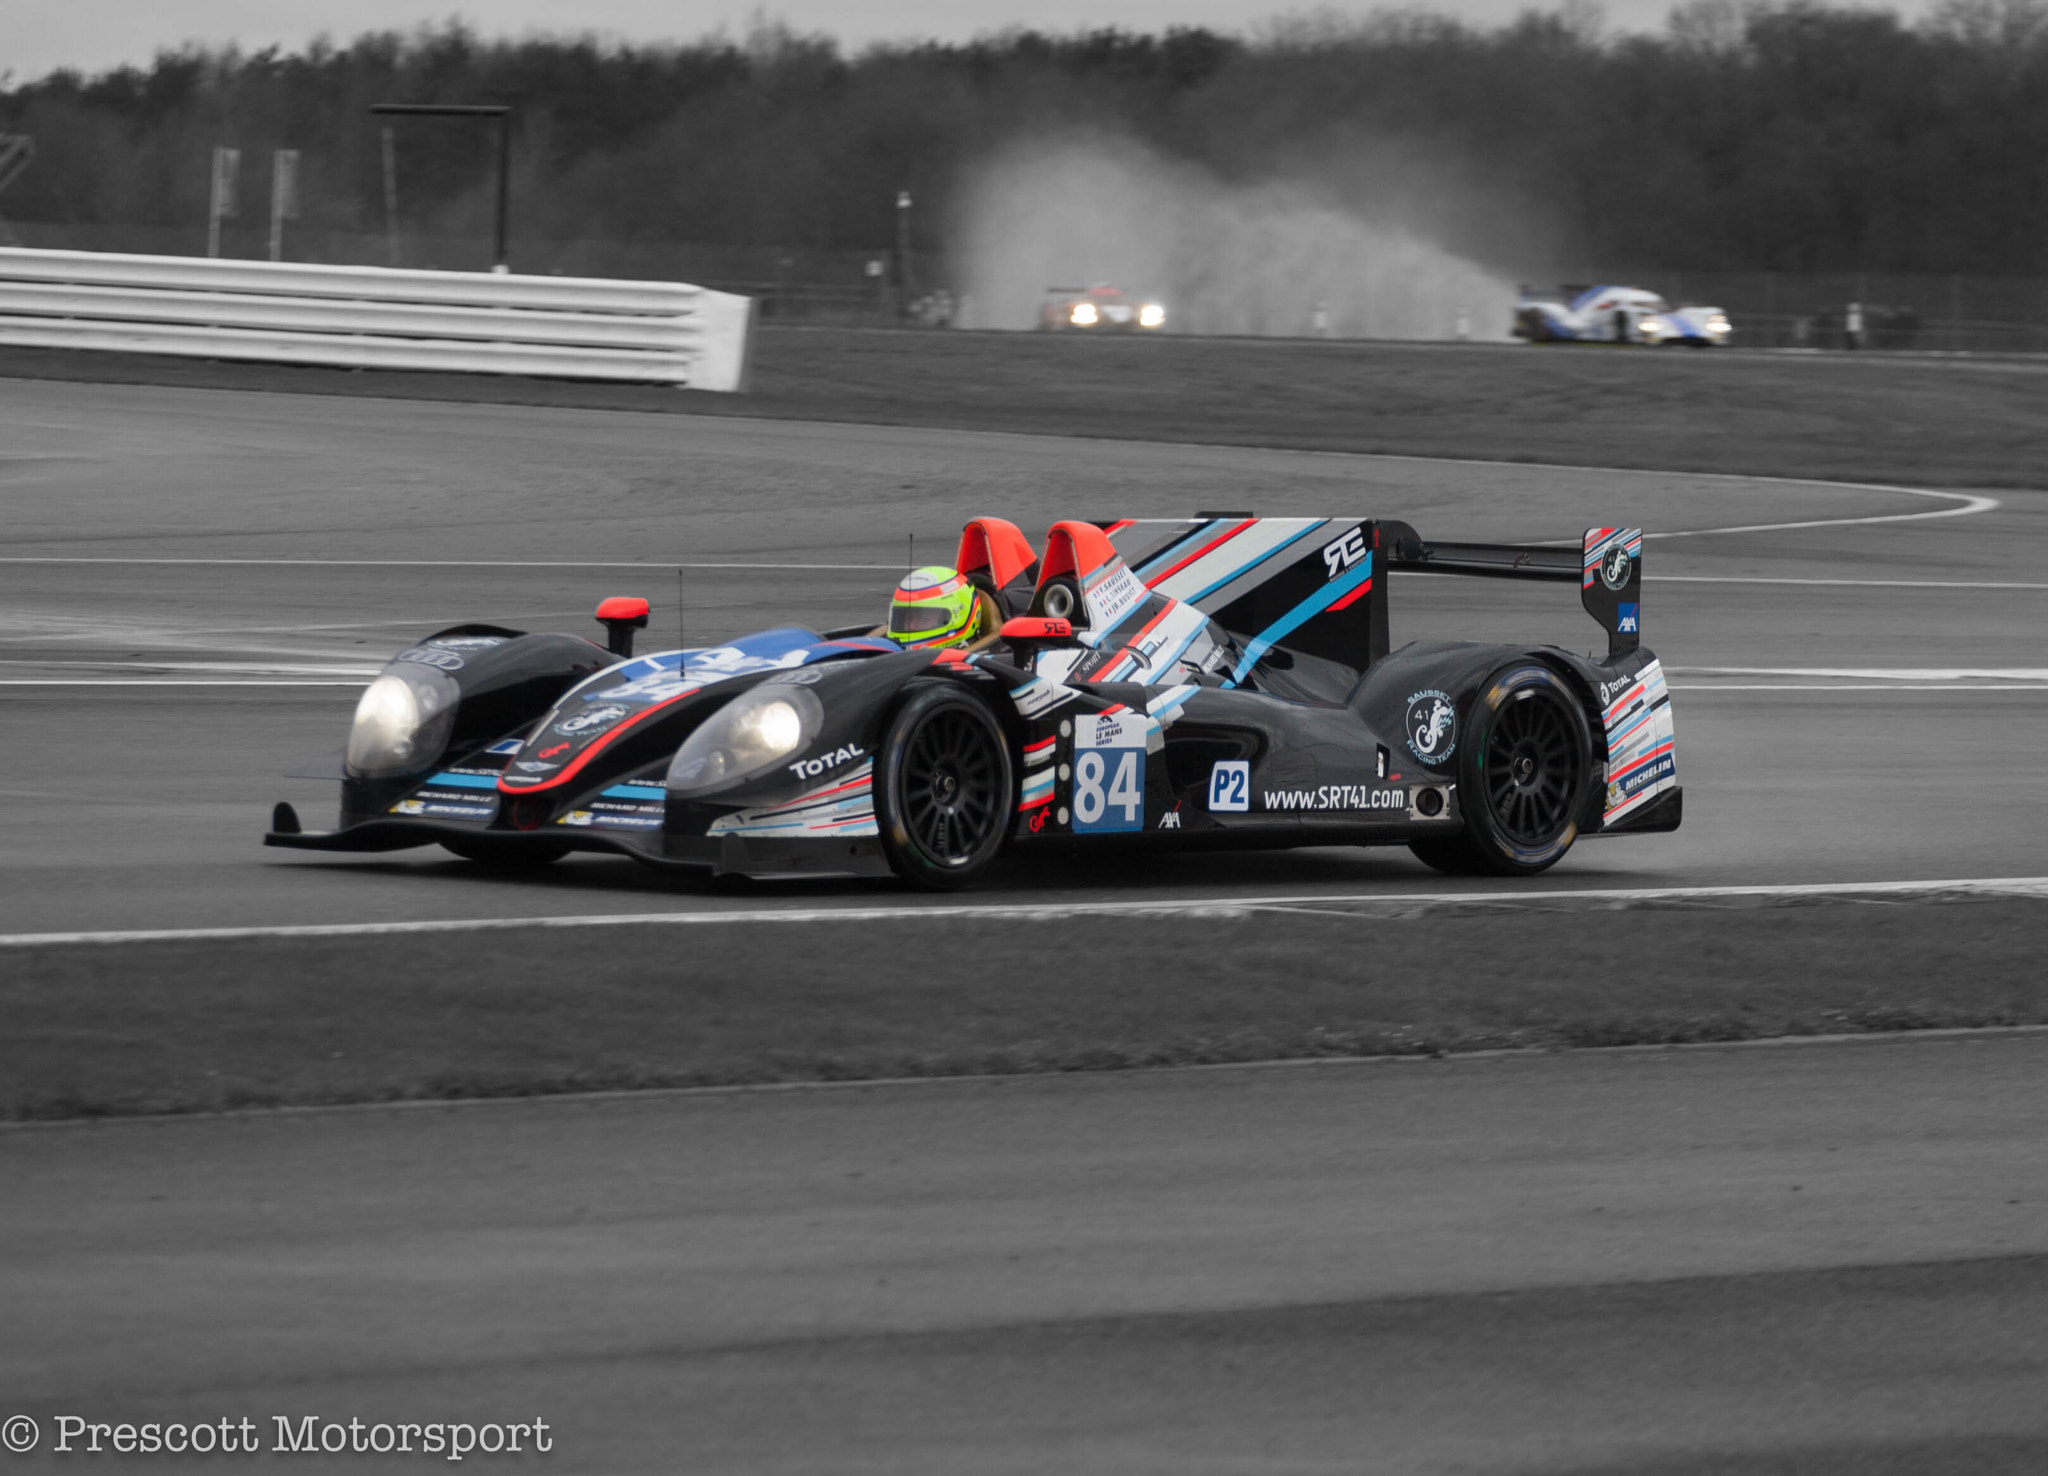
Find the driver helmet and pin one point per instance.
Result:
(932, 607)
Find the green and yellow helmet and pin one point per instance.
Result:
(933, 606)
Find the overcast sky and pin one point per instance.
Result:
(41, 35)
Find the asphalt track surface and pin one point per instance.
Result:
(1811, 1259)
(1793, 1259)
(200, 581)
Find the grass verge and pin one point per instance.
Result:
(1864, 417)
(172, 1027)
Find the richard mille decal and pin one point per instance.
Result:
(1432, 725)
(811, 768)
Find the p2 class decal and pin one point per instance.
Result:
(1432, 726)
(1109, 772)
(1230, 787)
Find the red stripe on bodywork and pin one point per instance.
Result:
(1206, 548)
(1354, 595)
(598, 746)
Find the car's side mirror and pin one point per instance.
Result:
(621, 615)
(1024, 634)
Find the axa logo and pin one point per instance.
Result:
(1171, 819)
(1344, 553)
(811, 768)
(1629, 619)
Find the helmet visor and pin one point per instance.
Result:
(918, 619)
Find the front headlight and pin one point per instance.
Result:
(1717, 324)
(1084, 314)
(402, 722)
(750, 734)
(1650, 326)
(1151, 315)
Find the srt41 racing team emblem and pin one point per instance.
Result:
(1614, 568)
(1432, 726)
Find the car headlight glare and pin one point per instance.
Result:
(1084, 313)
(750, 734)
(402, 722)
(1151, 315)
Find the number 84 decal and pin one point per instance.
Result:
(1109, 774)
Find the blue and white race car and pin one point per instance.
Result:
(1615, 315)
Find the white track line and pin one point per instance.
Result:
(1845, 583)
(1372, 904)
(1880, 673)
(433, 563)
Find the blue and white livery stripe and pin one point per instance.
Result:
(1300, 615)
(1235, 557)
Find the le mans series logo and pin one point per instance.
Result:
(1432, 726)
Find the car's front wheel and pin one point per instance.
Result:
(944, 788)
(1522, 777)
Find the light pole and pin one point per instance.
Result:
(501, 260)
(903, 278)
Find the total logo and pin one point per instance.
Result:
(1432, 725)
(590, 720)
(813, 767)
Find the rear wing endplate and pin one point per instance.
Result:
(1608, 567)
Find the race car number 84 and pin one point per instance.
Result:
(1109, 775)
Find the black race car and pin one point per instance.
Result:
(1224, 681)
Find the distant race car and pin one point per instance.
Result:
(1098, 309)
(1615, 315)
(1220, 682)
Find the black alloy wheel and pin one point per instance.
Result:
(1522, 777)
(944, 787)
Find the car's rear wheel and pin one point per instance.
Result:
(505, 855)
(944, 788)
(1522, 777)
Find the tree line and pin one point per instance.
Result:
(1748, 135)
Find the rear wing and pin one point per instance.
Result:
(1319, 585)
(1607, 566)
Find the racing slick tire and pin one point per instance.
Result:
(944, 787)
(1522, 777)
(505, 856)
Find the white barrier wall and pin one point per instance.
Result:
(376, 317)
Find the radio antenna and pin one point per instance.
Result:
(682, 641)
